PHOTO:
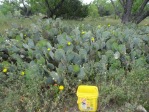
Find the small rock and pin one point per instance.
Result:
(140, 108)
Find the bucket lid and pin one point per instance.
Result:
(85, 90)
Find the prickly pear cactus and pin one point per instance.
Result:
(51, 48)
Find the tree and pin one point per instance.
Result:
(25, 9)
(69, 9)
(8, 6)
(48, 7)
(14, 5)
(51, 11)
(60, 8)
(103, 7)
(133, 10)
(73, 9)
(93, 10)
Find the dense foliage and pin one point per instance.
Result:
(67, 9)
(7, 8)
(104, 7)
(34, 60)
(128, 11)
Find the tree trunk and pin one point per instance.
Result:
(126, 18)
(127, 15)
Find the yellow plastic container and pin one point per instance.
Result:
(87, 98)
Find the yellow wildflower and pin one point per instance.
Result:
(109, 25)
(83, 33)
(24, 35)
(4, 70)
(68, 43)
(48, 49)
(93, 39)
(22, 73)
(99, 26)
(61, 87)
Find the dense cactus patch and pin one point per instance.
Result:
(60, 54)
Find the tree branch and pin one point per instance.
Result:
(48, 6)
(142, 7)
(122, 2)
(116, 11)
(58, 5)
(142, 17)
(26, 9)
(24, 4)
(129, 4)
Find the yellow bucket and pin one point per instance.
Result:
(87, 98)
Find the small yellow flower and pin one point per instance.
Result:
(93, 39)
(109, 25)
(24, 35)
(68, 43)
(48, 49)
(61, 87)
(83, 33)
(4, 70)
(99, 26)
(22, 73)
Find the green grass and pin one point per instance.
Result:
(6, 22)
(95, 21)
(101, 21)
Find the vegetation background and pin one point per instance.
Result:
(48, 48)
